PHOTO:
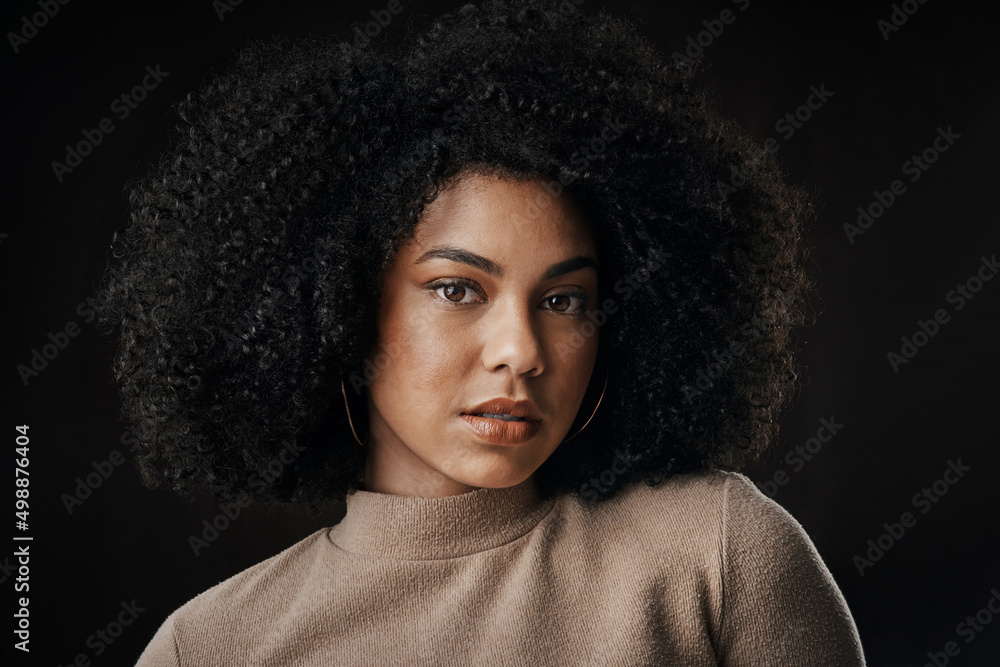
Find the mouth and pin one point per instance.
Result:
(506, 409)
(502, 429)
(502, 417)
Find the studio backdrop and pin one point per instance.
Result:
(888, 455)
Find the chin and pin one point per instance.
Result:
(494, 478)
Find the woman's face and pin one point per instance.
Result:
(486, 301)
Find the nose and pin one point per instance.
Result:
(511, 340)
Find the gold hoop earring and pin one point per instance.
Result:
(606, 373)
(349, 420)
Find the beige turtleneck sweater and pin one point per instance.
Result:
(701, 570)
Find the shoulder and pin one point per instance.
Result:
(696, 504)
(779, 599)
(255, 595)
(687, 489)
(676, 528)
(720, 505)
(251, 588)
(718, 512)
(770, 593)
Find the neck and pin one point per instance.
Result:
(398, 471)
(417, 528)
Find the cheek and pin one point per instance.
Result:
(577, 345)
(423, 356)
(583, 365)
(578, 361)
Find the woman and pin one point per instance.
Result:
(497, 290)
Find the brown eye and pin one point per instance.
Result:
(454, 291)
(565, 305)
(562, 303)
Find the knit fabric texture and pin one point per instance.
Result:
(700, 570)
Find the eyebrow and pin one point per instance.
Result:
(453, 254)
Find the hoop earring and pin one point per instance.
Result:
(349, 420)
(606, 373)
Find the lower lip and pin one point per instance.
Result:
(500, 432)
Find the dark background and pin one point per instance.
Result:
(900, 429)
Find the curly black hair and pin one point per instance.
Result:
(245, 287)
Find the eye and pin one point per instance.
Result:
(562, 302)
(455, 291)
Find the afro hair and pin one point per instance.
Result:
(244, 291)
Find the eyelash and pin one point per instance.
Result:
(464, 282)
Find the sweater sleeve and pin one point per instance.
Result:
(780, 604)
(162, 650)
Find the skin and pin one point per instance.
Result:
(514, 336)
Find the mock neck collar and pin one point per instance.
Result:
(417, 528)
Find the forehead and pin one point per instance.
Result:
(519, 214)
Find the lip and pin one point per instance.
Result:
(499, 432)
(505, 406)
